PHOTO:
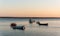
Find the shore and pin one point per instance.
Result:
(34, 17)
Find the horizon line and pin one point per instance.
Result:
(34, 17)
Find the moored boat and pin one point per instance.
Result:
(13, 26)
(31, 21)
(45, 24)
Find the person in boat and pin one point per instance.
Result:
(14, 26)
(31, 21)
(46, 24)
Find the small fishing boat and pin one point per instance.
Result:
(13, 26)
(31, 21)
(44, 24)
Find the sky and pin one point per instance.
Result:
(30, 8)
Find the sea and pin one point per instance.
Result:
(53, 28)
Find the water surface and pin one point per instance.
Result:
(53, 28)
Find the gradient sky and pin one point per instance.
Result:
(30, 8)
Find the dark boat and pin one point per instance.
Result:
(44, 24)
(13, 26)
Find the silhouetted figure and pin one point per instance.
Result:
(45, 24)
(31, 21)
(14, 26)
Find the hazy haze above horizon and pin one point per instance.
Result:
(30, 8)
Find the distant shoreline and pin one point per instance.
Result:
(34, 17)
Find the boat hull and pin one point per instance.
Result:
(45, 24)
(19, 27)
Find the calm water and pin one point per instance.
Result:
(53, 28)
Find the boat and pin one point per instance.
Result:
(13, 26)
(44, 24)
(31, 21)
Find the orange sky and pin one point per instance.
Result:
(30, 8)
(30, 13)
